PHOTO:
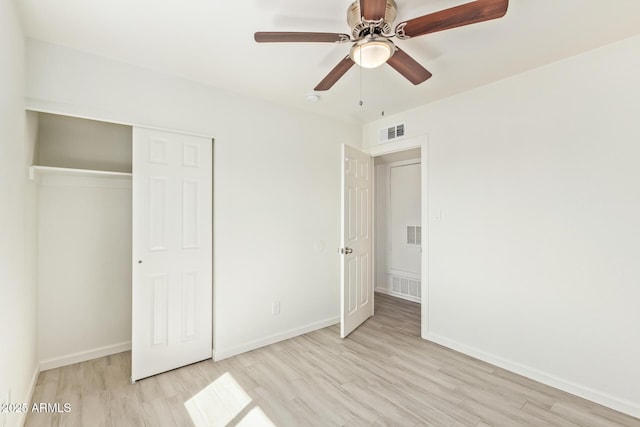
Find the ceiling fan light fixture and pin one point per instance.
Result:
(372, 52)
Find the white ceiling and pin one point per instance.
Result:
(211, 41)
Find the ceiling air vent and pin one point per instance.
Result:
(391, 133)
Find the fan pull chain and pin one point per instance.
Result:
(360, 76)
(384, 93)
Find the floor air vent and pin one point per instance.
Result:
(404, 287)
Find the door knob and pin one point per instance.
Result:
(345, 251)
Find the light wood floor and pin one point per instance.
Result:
(383, 374)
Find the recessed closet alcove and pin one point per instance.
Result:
(83, 168)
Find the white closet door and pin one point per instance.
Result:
(172, 251)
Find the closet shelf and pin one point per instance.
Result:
(35, 172)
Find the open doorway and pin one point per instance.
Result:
(364, 265)
(401, 225)
(398, 224)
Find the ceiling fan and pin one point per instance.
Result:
(371, 33)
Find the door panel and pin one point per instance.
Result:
(356, 266)
(172, 249)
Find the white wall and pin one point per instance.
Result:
(18, 298)
(404, 210)
(69, 142)
(276, 185)
(381, 218)
(534, 265)
(84, 283)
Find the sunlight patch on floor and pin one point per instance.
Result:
(255, 417)
(222, 402)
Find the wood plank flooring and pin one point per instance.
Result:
(384, 374)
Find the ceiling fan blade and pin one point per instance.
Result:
(465, 14)
(293, 37)
(373, 10)
(408, 67)
(335, 74)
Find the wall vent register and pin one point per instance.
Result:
(414, 235)
(392, 133)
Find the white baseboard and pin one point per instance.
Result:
(621, 405)
(272, 339)
(83, 356)
(398, 295)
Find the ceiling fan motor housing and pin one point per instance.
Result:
(361, 28)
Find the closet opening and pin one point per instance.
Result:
(83, 170)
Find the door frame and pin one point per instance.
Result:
(421, 142)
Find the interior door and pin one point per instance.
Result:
(356, 264)
(172, 250)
